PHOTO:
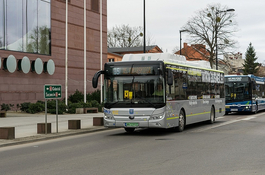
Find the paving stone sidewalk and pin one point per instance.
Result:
(26, 126)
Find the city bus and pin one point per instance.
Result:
(190, 92)
(244, 93)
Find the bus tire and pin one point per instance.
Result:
(129, 130)
(212, 116)
(256, 111)
(182, 122)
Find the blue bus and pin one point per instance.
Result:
(244, 93)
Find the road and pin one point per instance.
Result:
(233, 145)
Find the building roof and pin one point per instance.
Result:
(113, 53)
(132, 49)
(194, 52)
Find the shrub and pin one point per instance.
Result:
(94, 96)
(76, 97)
(51, 106)
(18, 106)
(73, 106)
(24, 106)
(100, 107)
(85, 105)
(6, 107)
(74, 101)
(94, 103)
(35, 107)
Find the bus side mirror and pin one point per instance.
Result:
(169, 77)
(95, 79)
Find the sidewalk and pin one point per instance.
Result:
(26, 126)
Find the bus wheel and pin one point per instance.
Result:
(129, 130)
(256, 111)
(181, 126)
(212, 116)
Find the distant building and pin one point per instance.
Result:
(116, 54)
(194, 52)
(231, 64)
(235, 63)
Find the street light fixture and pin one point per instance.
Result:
(216, 53)
(181, 39)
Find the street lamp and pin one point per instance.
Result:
(216, 53)
(181, 39)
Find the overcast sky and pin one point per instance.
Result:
(164, 19)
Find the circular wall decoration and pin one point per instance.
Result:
(38, 66)
(11, 63)
(50, 67)
(25, 64)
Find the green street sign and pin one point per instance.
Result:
(52, 91)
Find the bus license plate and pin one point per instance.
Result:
(234, 109)
(131, 124)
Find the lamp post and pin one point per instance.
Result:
(216, 53)
(180, 39)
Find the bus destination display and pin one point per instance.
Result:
(147, 70)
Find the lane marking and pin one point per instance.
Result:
(212, 127)
(225, 123)
(249, 118)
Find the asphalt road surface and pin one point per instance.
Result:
(234, 145)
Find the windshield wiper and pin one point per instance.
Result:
(110, 105)
(145, 100)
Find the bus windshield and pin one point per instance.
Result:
(134, 91)
(237, 91)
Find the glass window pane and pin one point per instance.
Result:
(44, 26)
(25, 26)
(30, 24)
(14, 25)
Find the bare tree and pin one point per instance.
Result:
(175, 49)
(211, 23)
(125, 36)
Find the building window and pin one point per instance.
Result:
(25, 26)
(95, 5)
(111, 60)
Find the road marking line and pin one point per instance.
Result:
(212, 127)
(249, 118)
(225, 123)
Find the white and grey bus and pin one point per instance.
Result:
(160, 90)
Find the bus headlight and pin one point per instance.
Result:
(157, 116)
(108, 117)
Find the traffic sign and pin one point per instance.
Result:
(52, 91)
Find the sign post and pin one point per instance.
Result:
(52, 92)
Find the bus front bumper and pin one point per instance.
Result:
(134, 124)
(238, 108)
